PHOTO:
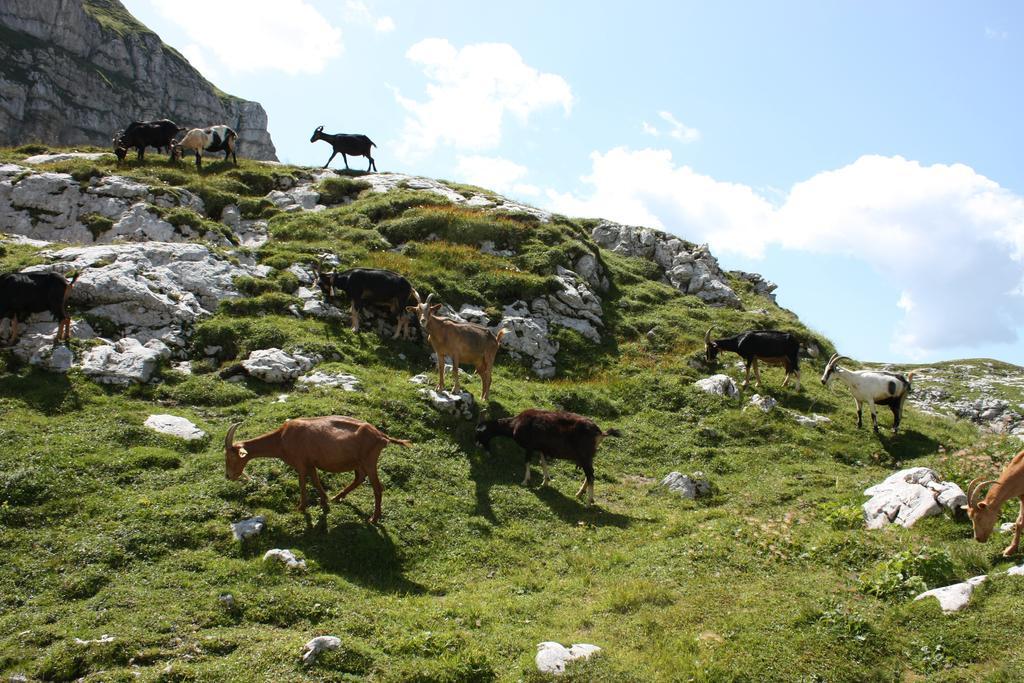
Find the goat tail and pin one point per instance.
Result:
(372, 143)
(400, 442)
(611, 432)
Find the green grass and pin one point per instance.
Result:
(108, 528)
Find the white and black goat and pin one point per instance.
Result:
(212, 139)
(874, 387)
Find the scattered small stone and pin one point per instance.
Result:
(763, 403)
(319, 644)
(248, 527)
(174, 426)
(552, 657)
(812, 420)
(323, 379)
(953, 598)
(721, 385)
(285, 556)
(228, 600)
(421, 378)
(184, 367)
(98, 641)
(276, 366)
(686, 486)
(461, 404)
(1007, 527)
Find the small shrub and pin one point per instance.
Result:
(97, 224)
(840, 516)
(269, 302)
(338, 190)
(908, 573)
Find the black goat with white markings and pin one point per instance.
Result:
(22, 294)
(346, 143)
(768, 346)
(554, 434)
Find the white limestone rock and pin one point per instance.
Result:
(812, 420)
(339, 380)
(721, 385)
(954, 598)
(763, 403)
(461, 404)
(247, 528)
(319, 644)
(906, 496)
(686, 486)
(125, 361)
(174, 425)
(275, 366)
(286, 557)
(65, 156)
(552, 657)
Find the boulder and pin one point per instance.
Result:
(286, 557)
(763, 403)
(275, 366)
(248, 527)
(460, 405)
(552, 657)
(174, 426)
(125, 361)
(954, 598)
(721, 385)
(685, 486)
(319, 644)
(909, 495)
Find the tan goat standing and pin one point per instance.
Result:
(463, 342)
(334, 444)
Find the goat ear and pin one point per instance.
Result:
(412, 309)
(435, 307)
(982, 505)
(242, 453)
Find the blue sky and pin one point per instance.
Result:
(863, 155)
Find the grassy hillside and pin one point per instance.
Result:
(110, 529)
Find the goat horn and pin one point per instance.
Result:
(229, 440)
(974, 488)
(427, 302)
(707, 336)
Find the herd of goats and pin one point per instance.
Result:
(346, 444)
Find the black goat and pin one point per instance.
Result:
(558, 435)
(363, 285)
(346, 143)
(769, 346)
(22, 294)
(143, 134)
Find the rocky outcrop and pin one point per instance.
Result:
(77, 79)
(689, 268)
(909, 495)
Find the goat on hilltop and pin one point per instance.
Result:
(767, 346)
(874, 387)
(346, 143)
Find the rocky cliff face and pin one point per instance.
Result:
(74, 71)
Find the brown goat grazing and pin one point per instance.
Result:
(556, 435)
(463, 342)
(333, 444)
(985, 513)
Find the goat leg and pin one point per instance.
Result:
(348, 489)
(455, 369)
(544, 466)
(1017, 527)
(860, 419)
(583, 487)
(757, 373)
(14, 331)
(343, 156)
(746, 380)
(377, 491)
(354, 310)
(302, 492)
(324, 505)
(440, 371)
(526, 476)
(331, 158)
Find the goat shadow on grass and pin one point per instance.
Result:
(49, 393)
(907, 445)
(575, 511)
(362, 553)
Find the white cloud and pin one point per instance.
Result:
(359, 12)
(949, 239)
(469, 93)
(257, 35)
(494, 173)
(995, 34)
(676, 128)
(679, 130)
